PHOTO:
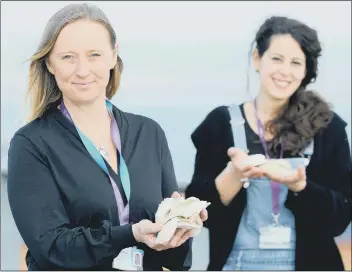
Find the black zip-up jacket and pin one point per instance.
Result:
(63, 203)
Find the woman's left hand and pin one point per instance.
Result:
(296, 181)
(182, 235)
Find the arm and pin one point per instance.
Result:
(179, 258)
(211, 181)
(327, 194)
(40, 216)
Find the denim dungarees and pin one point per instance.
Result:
(246, 254)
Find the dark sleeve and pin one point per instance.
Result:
(326, 200)
(174, 258)
(211, 140)
(39, 213)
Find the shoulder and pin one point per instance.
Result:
(332, 139)
(212, 128)
(335, 129)
(137, 123)
(26, 142)
(33, 130)
(35, 134)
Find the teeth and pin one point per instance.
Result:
(281, 83)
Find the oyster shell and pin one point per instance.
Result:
(174, 213)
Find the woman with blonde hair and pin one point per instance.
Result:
(85, 178)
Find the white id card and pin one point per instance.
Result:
(275, 237)
(129, 259)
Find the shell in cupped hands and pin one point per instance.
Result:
(174, 213)
(278, 166)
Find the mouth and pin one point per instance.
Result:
(82, 83)
(280, 83)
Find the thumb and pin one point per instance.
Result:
(301, 173)
(234, 151)
(176, 195)
(151, 228)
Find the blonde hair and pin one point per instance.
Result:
(42, 86)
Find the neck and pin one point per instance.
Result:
(94, 113)
(268, 108)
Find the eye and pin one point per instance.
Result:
(67, 57)
(297, 63)
(95, 55)
(276, 59)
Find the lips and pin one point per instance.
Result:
(82, 83)
(282, 84)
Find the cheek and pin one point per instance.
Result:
(101, 71)
(64, 73)
(266, 71)
(300, 75)
(265, 76)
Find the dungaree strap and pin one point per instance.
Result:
(239, 134)
(237, 125)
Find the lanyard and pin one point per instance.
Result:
(275, 187)
(123, 211)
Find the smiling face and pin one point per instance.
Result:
(281, 68)
(81, 60)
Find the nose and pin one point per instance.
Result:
(285, 69)
(82, 68)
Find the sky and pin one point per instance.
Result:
(188, 55)
(185, 28)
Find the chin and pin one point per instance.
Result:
(88, 98)
(279, 94)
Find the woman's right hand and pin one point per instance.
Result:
(145, 231)
(239, 169)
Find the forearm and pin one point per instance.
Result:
(227, 185)
(79, 248)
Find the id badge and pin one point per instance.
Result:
(274, 237)
(129, 259)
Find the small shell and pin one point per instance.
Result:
(255, 160)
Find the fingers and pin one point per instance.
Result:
(196, 219)
(301, 173)
(150, 228)
(176, 195)
(184, 237)
(295, 176)
(175, 240)
(150, 241)
(234, 152)
(204, 215)
(199, 221)
(252, 172)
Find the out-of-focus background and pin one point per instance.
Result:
(181, 60)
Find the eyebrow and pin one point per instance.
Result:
(295, 58)
(75, 53)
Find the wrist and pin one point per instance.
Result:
(298, 186)
(232, 172)
(135, 231)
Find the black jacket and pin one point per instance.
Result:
(63, 203)
(322, 210)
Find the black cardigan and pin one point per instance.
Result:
(63, 203)
(322, 210)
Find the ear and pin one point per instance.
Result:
(256, 59)
(114, 59)
(48, 66)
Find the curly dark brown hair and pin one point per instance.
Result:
(306, 112)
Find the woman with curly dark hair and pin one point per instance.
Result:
(282, 208)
